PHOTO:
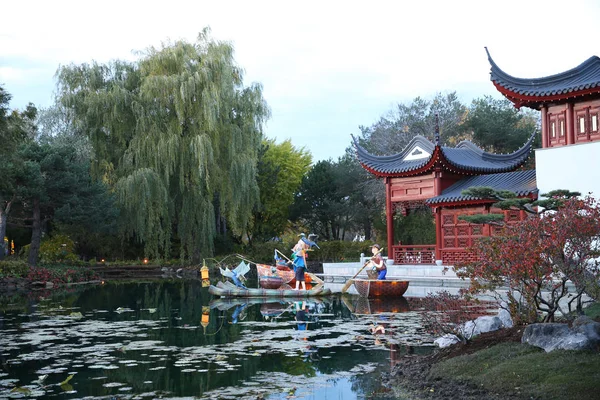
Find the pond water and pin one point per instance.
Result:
(172, 339)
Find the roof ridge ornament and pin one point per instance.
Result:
(437, 129)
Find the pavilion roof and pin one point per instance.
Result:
(522, 183)
(466, 158)
(583, 80)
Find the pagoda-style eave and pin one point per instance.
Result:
(536, 102)
(461, 203)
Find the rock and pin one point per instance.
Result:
(504, 315)
(481, 325)
(587, 326)
(447, 340)
(49, 285)
(554, 336)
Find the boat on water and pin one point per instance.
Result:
(380, 288)
(274, 276)
(227, 289)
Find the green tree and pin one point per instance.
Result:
(280, 171)
(178, 135)
(499, 127)
(16, 127)
(397, 127)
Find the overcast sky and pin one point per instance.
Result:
(326, 66)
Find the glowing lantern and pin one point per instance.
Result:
(204, 270)
(145, 261)
(205, 317)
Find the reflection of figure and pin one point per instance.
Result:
(301, 315)
(237, 313)
(377, 262)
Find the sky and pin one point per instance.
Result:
(327, 67)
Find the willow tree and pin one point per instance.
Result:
(177, 135)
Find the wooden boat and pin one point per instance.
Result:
(287, 275)
(270, 281)
(227, 289)
(380, 288)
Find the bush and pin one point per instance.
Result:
(58, 248)
(61, 274)
(13, 269)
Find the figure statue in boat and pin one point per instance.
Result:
(237, 275)
(377, 263)
(299, 256)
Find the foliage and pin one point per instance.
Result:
(526, 371)
(280, 171)
(13, 268)
(177, 135)
(541, 254)
(498, 126)
(60, 275)
(58, 248)
(507, 200)
(417, 227)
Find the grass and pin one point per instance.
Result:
(593, 311)
(527, 371)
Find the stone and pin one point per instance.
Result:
(555, 336)
(504, 315)
(481, 325)
(447, 340)
(49, 285)
(587, 326)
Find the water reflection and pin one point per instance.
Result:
(172, 339)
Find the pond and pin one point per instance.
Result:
(172, 339)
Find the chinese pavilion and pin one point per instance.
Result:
(432, 174)
(569, 103)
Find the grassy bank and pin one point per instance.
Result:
(525, 370)
(518, 370)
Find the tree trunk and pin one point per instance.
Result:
(36, 234)
(3, 222)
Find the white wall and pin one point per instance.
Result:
(575, 167)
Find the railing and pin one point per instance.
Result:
(415, 254)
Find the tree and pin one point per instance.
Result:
(497, 126)
(395, 129)
(538, 255)
(15, 128)
(280, 171)
(177, 135)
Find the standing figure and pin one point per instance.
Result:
(300, 264)
(377, 262)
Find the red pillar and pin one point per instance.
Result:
(389, 213)
(545, 127)
(570, 122)
(438, 233)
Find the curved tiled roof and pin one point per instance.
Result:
(581, 80)
(522, 183)
(395, 163)
(465, 157)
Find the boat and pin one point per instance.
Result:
(380, 288)
(227, 289)
(267, 276)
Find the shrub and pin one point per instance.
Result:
(57, 248)
(13, 268)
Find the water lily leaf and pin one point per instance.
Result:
(67, 380)
(67, 387)
(76, 315)
(20, 390)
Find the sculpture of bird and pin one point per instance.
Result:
(237, 275)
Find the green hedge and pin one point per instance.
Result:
(13, 269)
